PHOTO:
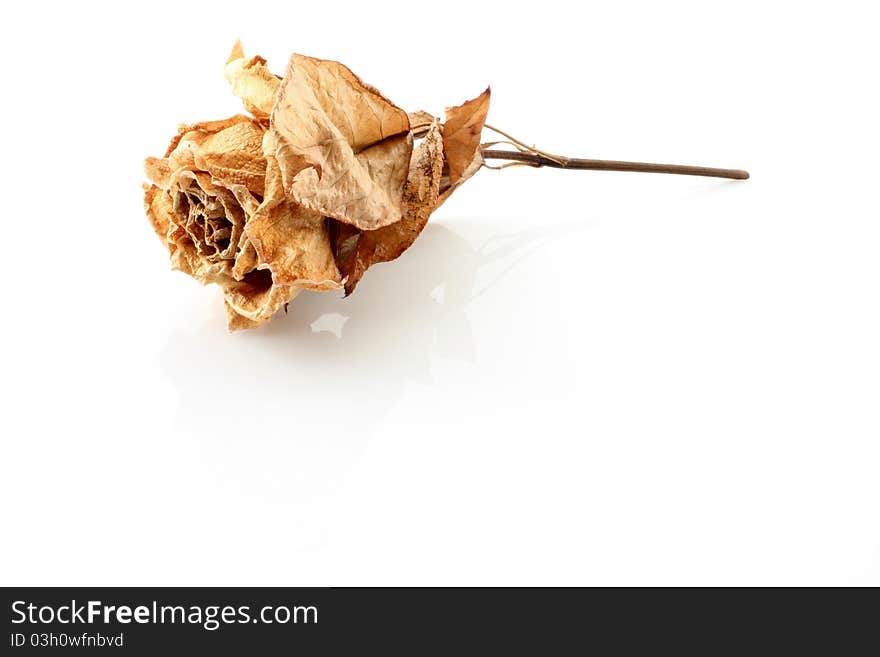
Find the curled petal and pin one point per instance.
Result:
(158, 210)
(231, 151)
(252, 81)
(251, 298)
(246, 260)
(252, 301)
(158, 171)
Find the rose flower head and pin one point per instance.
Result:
(325, 178)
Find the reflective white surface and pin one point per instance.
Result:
(571, 378)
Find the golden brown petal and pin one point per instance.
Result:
(252, 81)
(236, 322)
(231, 151)
(255, 299)
(158, 210)
(246, 260)
(184, 255)
(356, 253)
(158, 171)
(343, 149)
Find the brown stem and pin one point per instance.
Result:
(537, 160)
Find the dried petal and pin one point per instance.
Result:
(158, 171)
(230, 150)
(255, 299)
(252, 81)
(246, 260)
(343, 149)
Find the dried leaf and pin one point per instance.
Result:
(355, 253)
(252, 81)
(343, 149)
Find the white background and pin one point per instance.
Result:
(571, 378)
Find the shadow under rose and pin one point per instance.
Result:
(402, 311)
(263, 400)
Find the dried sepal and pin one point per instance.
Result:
(356, 252)
(445, 159)
(461, 141)
(343, 149)
(420, 122)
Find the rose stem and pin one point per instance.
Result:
(537, 160)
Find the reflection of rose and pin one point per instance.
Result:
(319, 184)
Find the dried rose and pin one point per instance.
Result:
(201, 196)
(326, 178)
(318, 185)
